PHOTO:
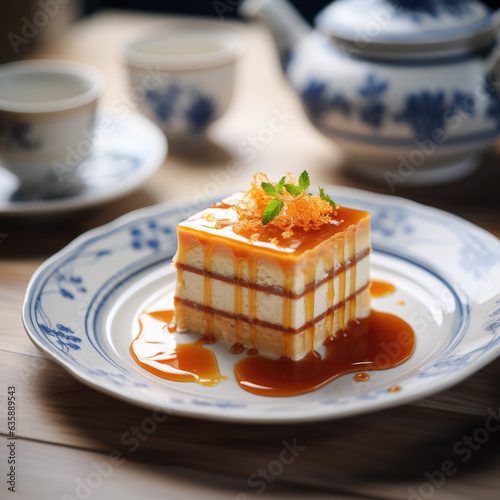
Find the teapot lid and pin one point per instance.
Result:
(404, 21)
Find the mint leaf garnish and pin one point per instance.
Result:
(276, 205)
(268, 188)
(279, 186)
(304, 181)
(272, 210)
(325, 197)
(293, 189)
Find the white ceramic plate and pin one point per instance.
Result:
(81, 309)
(125, 157)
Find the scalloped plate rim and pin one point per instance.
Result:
(208, 412)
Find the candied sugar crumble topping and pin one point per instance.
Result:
(304, 211)
(209, 217)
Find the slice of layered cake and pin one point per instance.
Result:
(275, 269)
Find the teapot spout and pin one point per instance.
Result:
(287, 26)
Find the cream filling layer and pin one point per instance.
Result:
(269, 307)
(268, 272)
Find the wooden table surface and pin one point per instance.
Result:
(67, 431)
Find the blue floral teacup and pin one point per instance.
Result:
(183, 79)
(47, 114)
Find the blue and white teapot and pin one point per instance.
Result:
(408, 89)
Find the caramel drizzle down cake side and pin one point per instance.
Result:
(280, 272)
(208, 252)
(238, 296)
(252, 267)
(310, 240)
(330, 265)
(287, 309)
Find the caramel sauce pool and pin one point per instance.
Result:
(394, 388)
(361, 377)
(157, 351)
(378, 342)
(381, 288)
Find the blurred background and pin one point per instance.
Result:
(12, 14)
(308, 8)
(65, 426)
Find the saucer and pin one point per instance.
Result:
(126, 155)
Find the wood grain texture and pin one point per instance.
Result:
(64, 427)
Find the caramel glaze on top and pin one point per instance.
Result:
(341, 219)
(287, 252)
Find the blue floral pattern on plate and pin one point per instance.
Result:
(149, 235)
(64, 309)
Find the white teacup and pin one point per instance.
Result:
(47, 114)
(183, 79)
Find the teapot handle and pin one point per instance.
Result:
(286, 24)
